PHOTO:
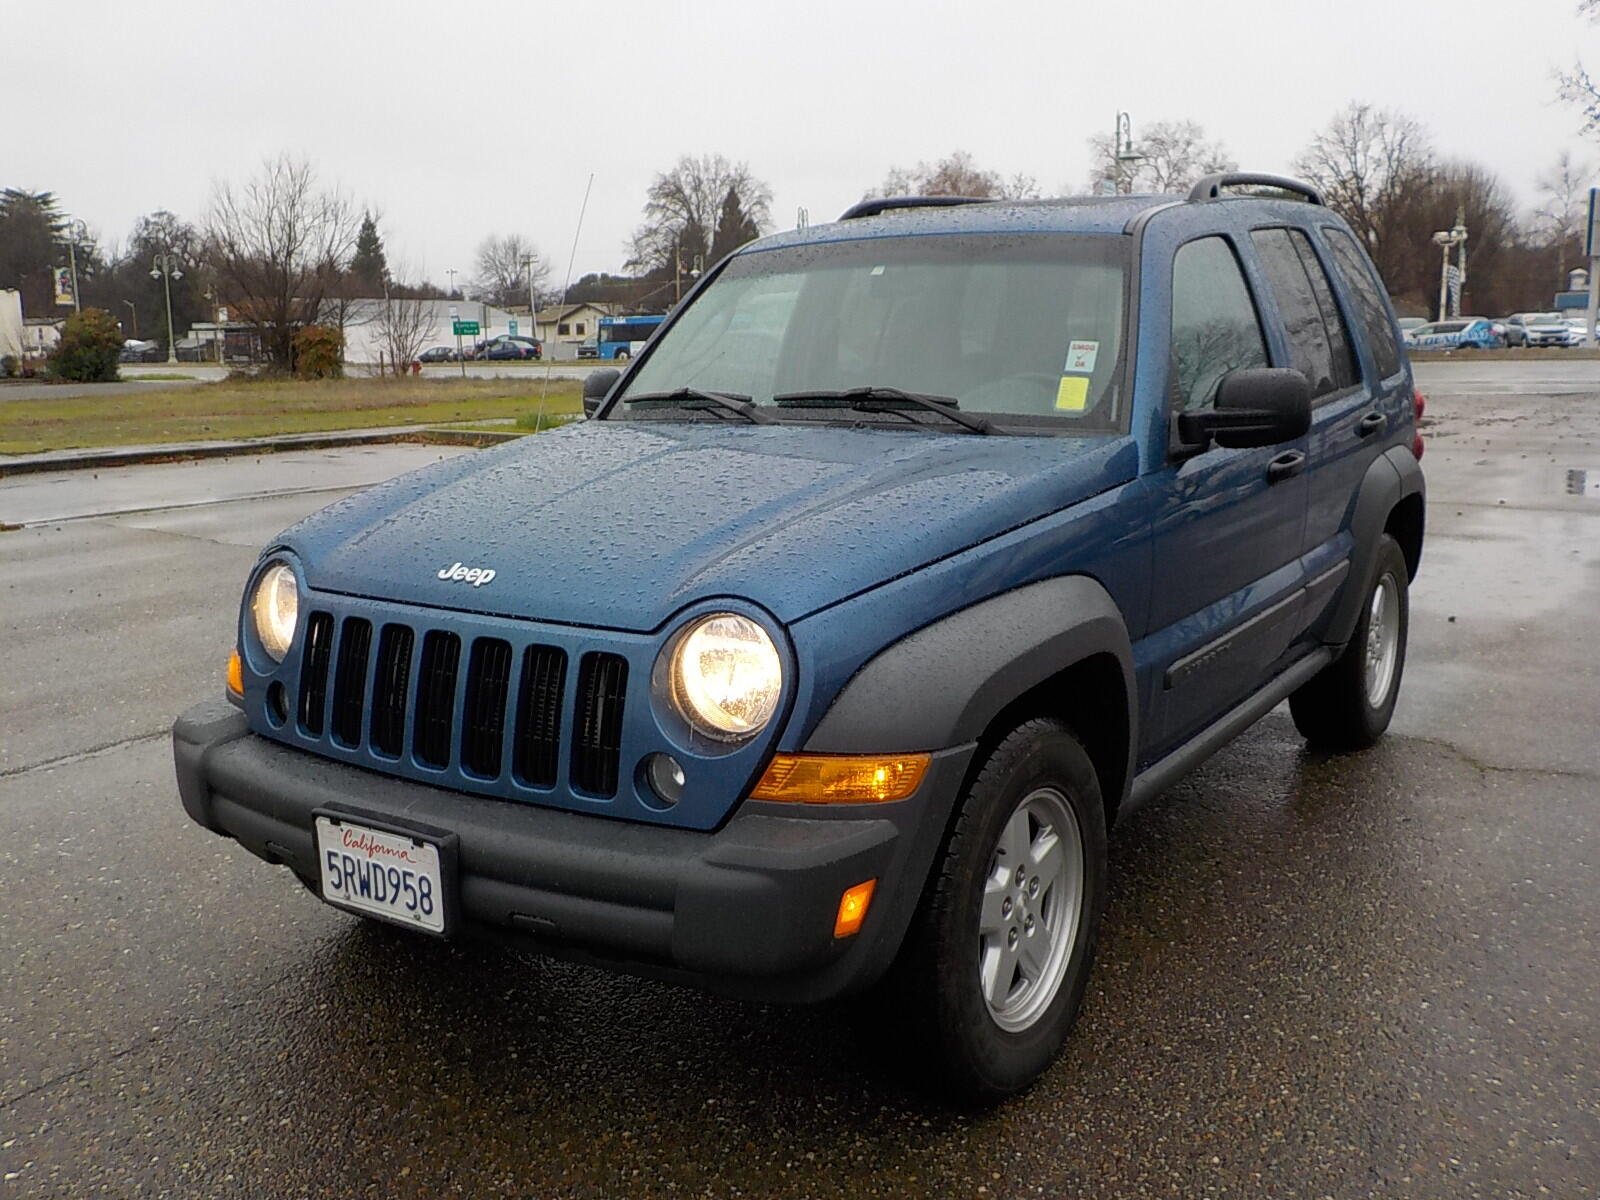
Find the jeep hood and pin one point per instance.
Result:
(619, 524)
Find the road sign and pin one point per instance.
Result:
(466, 329)
(513, 324)
(1592, 242)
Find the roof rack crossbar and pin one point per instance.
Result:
(871, 208)
(1210, 188)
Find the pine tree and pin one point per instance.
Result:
(734, 228)
(368, 267)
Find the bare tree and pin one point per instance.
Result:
(501, 274)
(403, 326)
(1577, 87)
(957, 174)
(684, 204)
(279, 244)
(1173, 156)
(1563, 192)
(1372, 165)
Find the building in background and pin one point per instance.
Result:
(563, 328)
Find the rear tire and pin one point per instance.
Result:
(995, 964)
(1349, 703)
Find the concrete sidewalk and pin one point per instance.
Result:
(122, 456)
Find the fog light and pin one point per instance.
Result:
(665, 777)
(853, 908)
(277, 703)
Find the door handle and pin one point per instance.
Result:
(1370, 424)
(1287, 465)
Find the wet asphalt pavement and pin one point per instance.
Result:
(1370, 975)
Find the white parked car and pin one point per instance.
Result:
(1547, 329)
(1580, 330)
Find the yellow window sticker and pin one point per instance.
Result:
(1073, 393)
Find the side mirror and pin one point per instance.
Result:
(1255, 406)
(597, 385)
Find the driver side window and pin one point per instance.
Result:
(1215, 328)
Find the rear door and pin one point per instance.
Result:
(1353, 425)
(1228, 523)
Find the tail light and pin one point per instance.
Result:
(1419, 405)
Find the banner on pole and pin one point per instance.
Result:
(1591, 244)
(63, 285)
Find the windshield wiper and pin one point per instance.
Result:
(696, 398)
(885, 399)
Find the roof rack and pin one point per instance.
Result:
(871, 208)
(1210, 188)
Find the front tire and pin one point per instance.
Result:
(1349, 703)
(995, 964)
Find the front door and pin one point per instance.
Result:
(1226, 597)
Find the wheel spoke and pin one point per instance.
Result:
(1046, 859)
(998, 967)
(1032, 955)
(991, 916)
(1014, 840)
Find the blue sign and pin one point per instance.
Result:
(1591, 245)
(513, 324)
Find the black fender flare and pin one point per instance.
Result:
(944, 684)
(1392, 476)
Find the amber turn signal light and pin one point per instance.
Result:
(236, 675)
(840, 778)
(853, 908)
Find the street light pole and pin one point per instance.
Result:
(452, 273)
(165, 268)
(134, 312)
(1447, 240)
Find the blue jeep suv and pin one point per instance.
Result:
(912, 552)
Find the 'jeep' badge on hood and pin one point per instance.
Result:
(476, 576)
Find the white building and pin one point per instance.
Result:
(364, 342)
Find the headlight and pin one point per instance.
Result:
(726, 676)
(275, 607)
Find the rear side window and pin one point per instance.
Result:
(1214, 324)
(1371, 309)
(1318, 343)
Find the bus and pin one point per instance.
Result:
(623, 337)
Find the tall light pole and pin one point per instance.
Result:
(1124, 154)
(452, 273)
(165, 268)
(134, 312)
(76, 232)
(1447, 240)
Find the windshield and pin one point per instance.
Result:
(1024, 329)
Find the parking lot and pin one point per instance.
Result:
(1372, 975)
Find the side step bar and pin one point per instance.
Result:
(1163, 773)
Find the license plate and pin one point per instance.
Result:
(389, 875)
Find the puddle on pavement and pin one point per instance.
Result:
(1584, 482)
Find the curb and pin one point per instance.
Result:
(134, 456)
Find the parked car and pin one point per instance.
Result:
(589, 348)
(1547, 329)
(1465, 333)
(1410, 324)
(821, 657)
(136, 351)
(507, 347)
(1580, 330)
(438, 354)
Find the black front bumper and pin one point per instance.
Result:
(748, 909)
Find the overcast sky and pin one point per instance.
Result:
(458, 120)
